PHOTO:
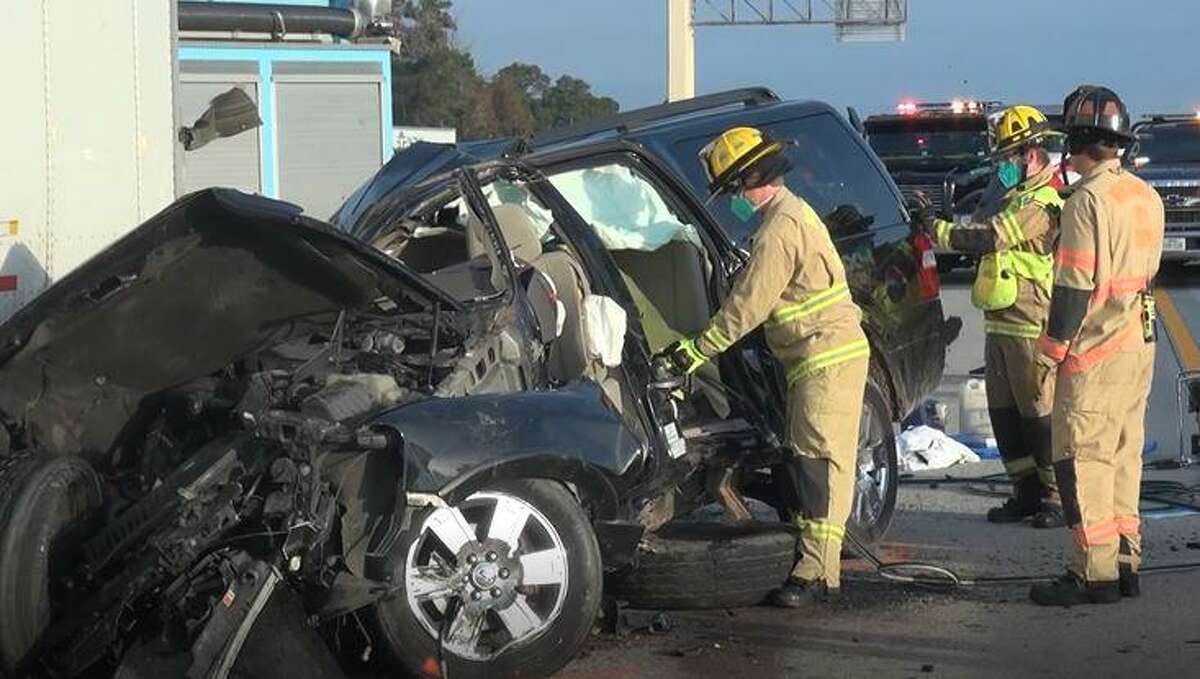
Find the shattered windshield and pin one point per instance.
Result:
(1170, 142)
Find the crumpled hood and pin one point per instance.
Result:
(213, 277)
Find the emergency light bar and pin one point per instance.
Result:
(1172, 117)
(971, 106)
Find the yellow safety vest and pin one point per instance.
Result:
(996, 282)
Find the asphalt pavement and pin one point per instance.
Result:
(880, 629)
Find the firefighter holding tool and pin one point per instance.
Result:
(1015, 233)
(795, 285)
(1100, 339)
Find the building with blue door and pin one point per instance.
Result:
(323, 92)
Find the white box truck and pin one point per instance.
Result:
(86, 130)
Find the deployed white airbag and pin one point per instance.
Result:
(604, 327)
(625, 210)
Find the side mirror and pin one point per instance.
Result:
(856, 121)
(229, 113)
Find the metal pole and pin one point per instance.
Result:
(681, 51)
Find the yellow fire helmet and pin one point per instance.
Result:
(726, 158)
(1019, 125)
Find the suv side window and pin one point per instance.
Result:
(657, 251)
(626, 211)
(829, 170)
(443, 239)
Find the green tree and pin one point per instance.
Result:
(424, 27)
(529, 78)
(510, 107)
(569, 101)
(439, 89)
(435, 83)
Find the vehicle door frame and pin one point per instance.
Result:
(405, 200)
(762, 403)
(655, 416)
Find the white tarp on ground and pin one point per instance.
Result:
(922, 448)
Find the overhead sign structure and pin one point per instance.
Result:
(852, 21)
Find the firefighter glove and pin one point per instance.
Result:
(684, 357)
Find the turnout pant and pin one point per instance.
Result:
(824, 411)
(1019, 409)
(1099, 433)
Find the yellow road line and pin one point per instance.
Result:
(1180, 335)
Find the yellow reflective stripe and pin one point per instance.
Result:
(1025, 330)
(1015, 233)
(717, 339)
(811, 304)
(823, 530)
(1048, 197)
(941, 233)
(825, 359)
(1022, 466)
(1034, 267)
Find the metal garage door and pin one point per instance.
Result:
(329, 133)
(232, 161)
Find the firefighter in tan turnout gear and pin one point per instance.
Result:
(794, 283)
(1015, 236)
(1100, 336)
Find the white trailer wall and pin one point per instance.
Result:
(87, 132)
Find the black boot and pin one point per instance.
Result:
(796, 593)
(1049, 516)
(1025, 503)
(1130, 582)
(1071, 591)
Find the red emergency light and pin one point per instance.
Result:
(910, 107)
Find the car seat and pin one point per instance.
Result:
(567, 358)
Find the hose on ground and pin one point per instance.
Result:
(1173, 494)
(933, 576)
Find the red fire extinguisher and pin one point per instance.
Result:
(927, 273)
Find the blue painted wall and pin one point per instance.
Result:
(266, 56)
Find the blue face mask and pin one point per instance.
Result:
(1010, 173)
(741, 207)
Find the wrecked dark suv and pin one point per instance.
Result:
(431, 432)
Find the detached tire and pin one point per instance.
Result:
(695, 565)
(41, 499)
(535, 606)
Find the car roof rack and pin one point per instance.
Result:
(624, 122)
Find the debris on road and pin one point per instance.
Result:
(625, 621)
(922, 448)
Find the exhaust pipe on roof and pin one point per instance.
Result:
(346, 23)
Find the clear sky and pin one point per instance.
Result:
(1014, 50)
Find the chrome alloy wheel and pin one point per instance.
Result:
(872, 479)
(487, 575)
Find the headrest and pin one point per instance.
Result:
(518, 229)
